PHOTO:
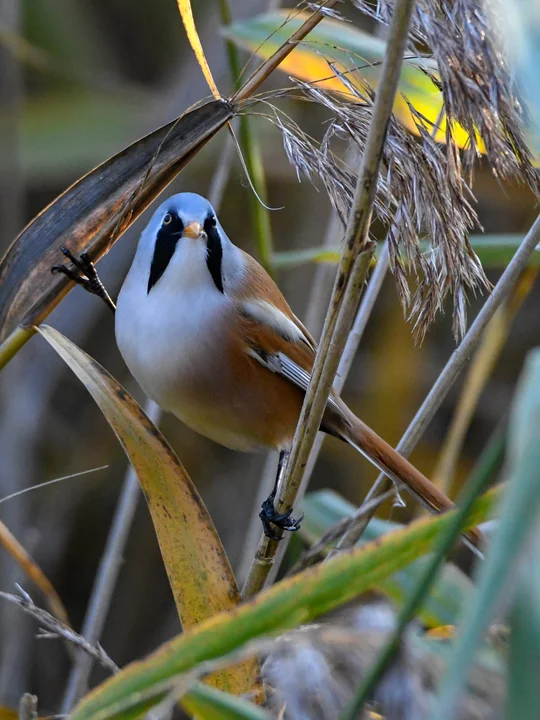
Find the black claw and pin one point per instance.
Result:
(71, 274)
(70, 256)
(270, 517)
(267, 527)
(85, 275)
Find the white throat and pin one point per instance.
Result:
(161, 334)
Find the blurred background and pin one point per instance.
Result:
(80, 80)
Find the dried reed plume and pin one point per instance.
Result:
(423, 190)
(417, 197)
(313, 671)
(476, 84)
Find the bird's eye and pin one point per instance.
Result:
(212, 220)
(167, 220)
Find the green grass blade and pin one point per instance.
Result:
(324, 508)
(475, 485)
(522, 38)
(446, 598)
(260, 215)
(493, 251)
(289, 603)
(211, 704)
(519, 513)
(524, 656)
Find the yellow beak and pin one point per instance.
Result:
(194, 230)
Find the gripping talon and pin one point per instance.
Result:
(85, 275)
(71, 274)
(267, 527)
(79, 264)
(270, 517)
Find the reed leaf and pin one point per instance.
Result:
(493, 251)
(95, 211)
(518, 519)
(201, 579)
(184, 6)
(287, 604)
(449, 593)
(210, 704)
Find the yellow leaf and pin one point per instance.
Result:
(193, 36)
(8, 713)
(353, 52)
(443, 632)
(201, 578)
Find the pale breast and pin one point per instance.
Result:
(167, 341)
(187, 351)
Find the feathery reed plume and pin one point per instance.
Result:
(312, 671)
(476, 84)
(418, 196)
(423, 190)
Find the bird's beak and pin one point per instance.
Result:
(193, 230)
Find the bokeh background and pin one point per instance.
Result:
(79, 80)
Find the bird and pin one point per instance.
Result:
(208, 335)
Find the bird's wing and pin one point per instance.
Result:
(257, 284)
(270, 331)
(277, 340)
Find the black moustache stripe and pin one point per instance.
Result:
(167, 237)
(214, 254)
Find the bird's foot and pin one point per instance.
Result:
(85, 275)
(270, 517)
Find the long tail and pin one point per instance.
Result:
(396, 467)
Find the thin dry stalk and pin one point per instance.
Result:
(321, 289)
(26, 562)
(347, 289)
(366, 306)
(319, 549)
(479, 372)
(106, 580)
(268, 66)
(56, 629)
(28, 707)
(364, 313)
(459, 358)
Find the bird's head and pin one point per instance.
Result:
(184, 236)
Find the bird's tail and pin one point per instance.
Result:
(395, 466)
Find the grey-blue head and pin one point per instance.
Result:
(184, 225)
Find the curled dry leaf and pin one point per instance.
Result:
(95, 211)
